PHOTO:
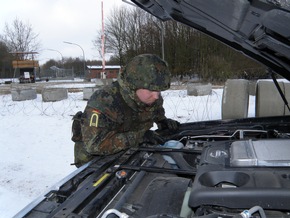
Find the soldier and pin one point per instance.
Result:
(120, 116)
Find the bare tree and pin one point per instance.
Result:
(5, 60)
(131, 31)
(20, 37)
(115, 33)
(124, 33)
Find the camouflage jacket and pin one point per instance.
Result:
(110, 124)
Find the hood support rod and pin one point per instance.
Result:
(279, 89)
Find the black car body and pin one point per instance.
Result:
(214, 169)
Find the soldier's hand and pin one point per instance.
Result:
(153, 138)
(168, 124)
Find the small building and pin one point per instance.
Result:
(25, 66)
(111, 72)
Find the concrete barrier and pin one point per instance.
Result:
(287, 95)
(87, 92)
(23, 94)
(199, 89)
(54, 94)
(268, 99)
(103, 82)
(235, 99)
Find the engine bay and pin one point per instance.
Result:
(230, 177)
(213, 169)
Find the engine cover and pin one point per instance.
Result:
(243, 174)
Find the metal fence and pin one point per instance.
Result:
(178, 105)
(57, 74)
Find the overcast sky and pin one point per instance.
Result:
(55, 21)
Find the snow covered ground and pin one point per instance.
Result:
(36, 150)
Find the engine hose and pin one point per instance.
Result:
(116, 212)
(258, 208)
(250, 212)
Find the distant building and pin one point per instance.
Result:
(111, 71)
(25, 66)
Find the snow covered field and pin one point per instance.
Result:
(36, 150)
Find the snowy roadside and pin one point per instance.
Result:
(36, 150)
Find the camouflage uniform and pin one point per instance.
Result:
(114, 118)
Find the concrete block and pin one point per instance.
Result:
(54, 94)
(23, 94)
(268, 99)
(107, 82)
(87, 92)
(103, 82)
(199, 89)
(287, 95)
(235, 99)
(99, 82)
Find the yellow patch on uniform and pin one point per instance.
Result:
(94, 118)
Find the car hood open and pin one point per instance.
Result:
(258, 28)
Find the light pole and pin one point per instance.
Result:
(83, 53)
(49, 49)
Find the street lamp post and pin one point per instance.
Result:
(49, 49)
(83, 53)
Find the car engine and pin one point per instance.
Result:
(211, 169)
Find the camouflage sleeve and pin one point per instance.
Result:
(159, 111)
(102, 136)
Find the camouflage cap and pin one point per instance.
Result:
(146, 71)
